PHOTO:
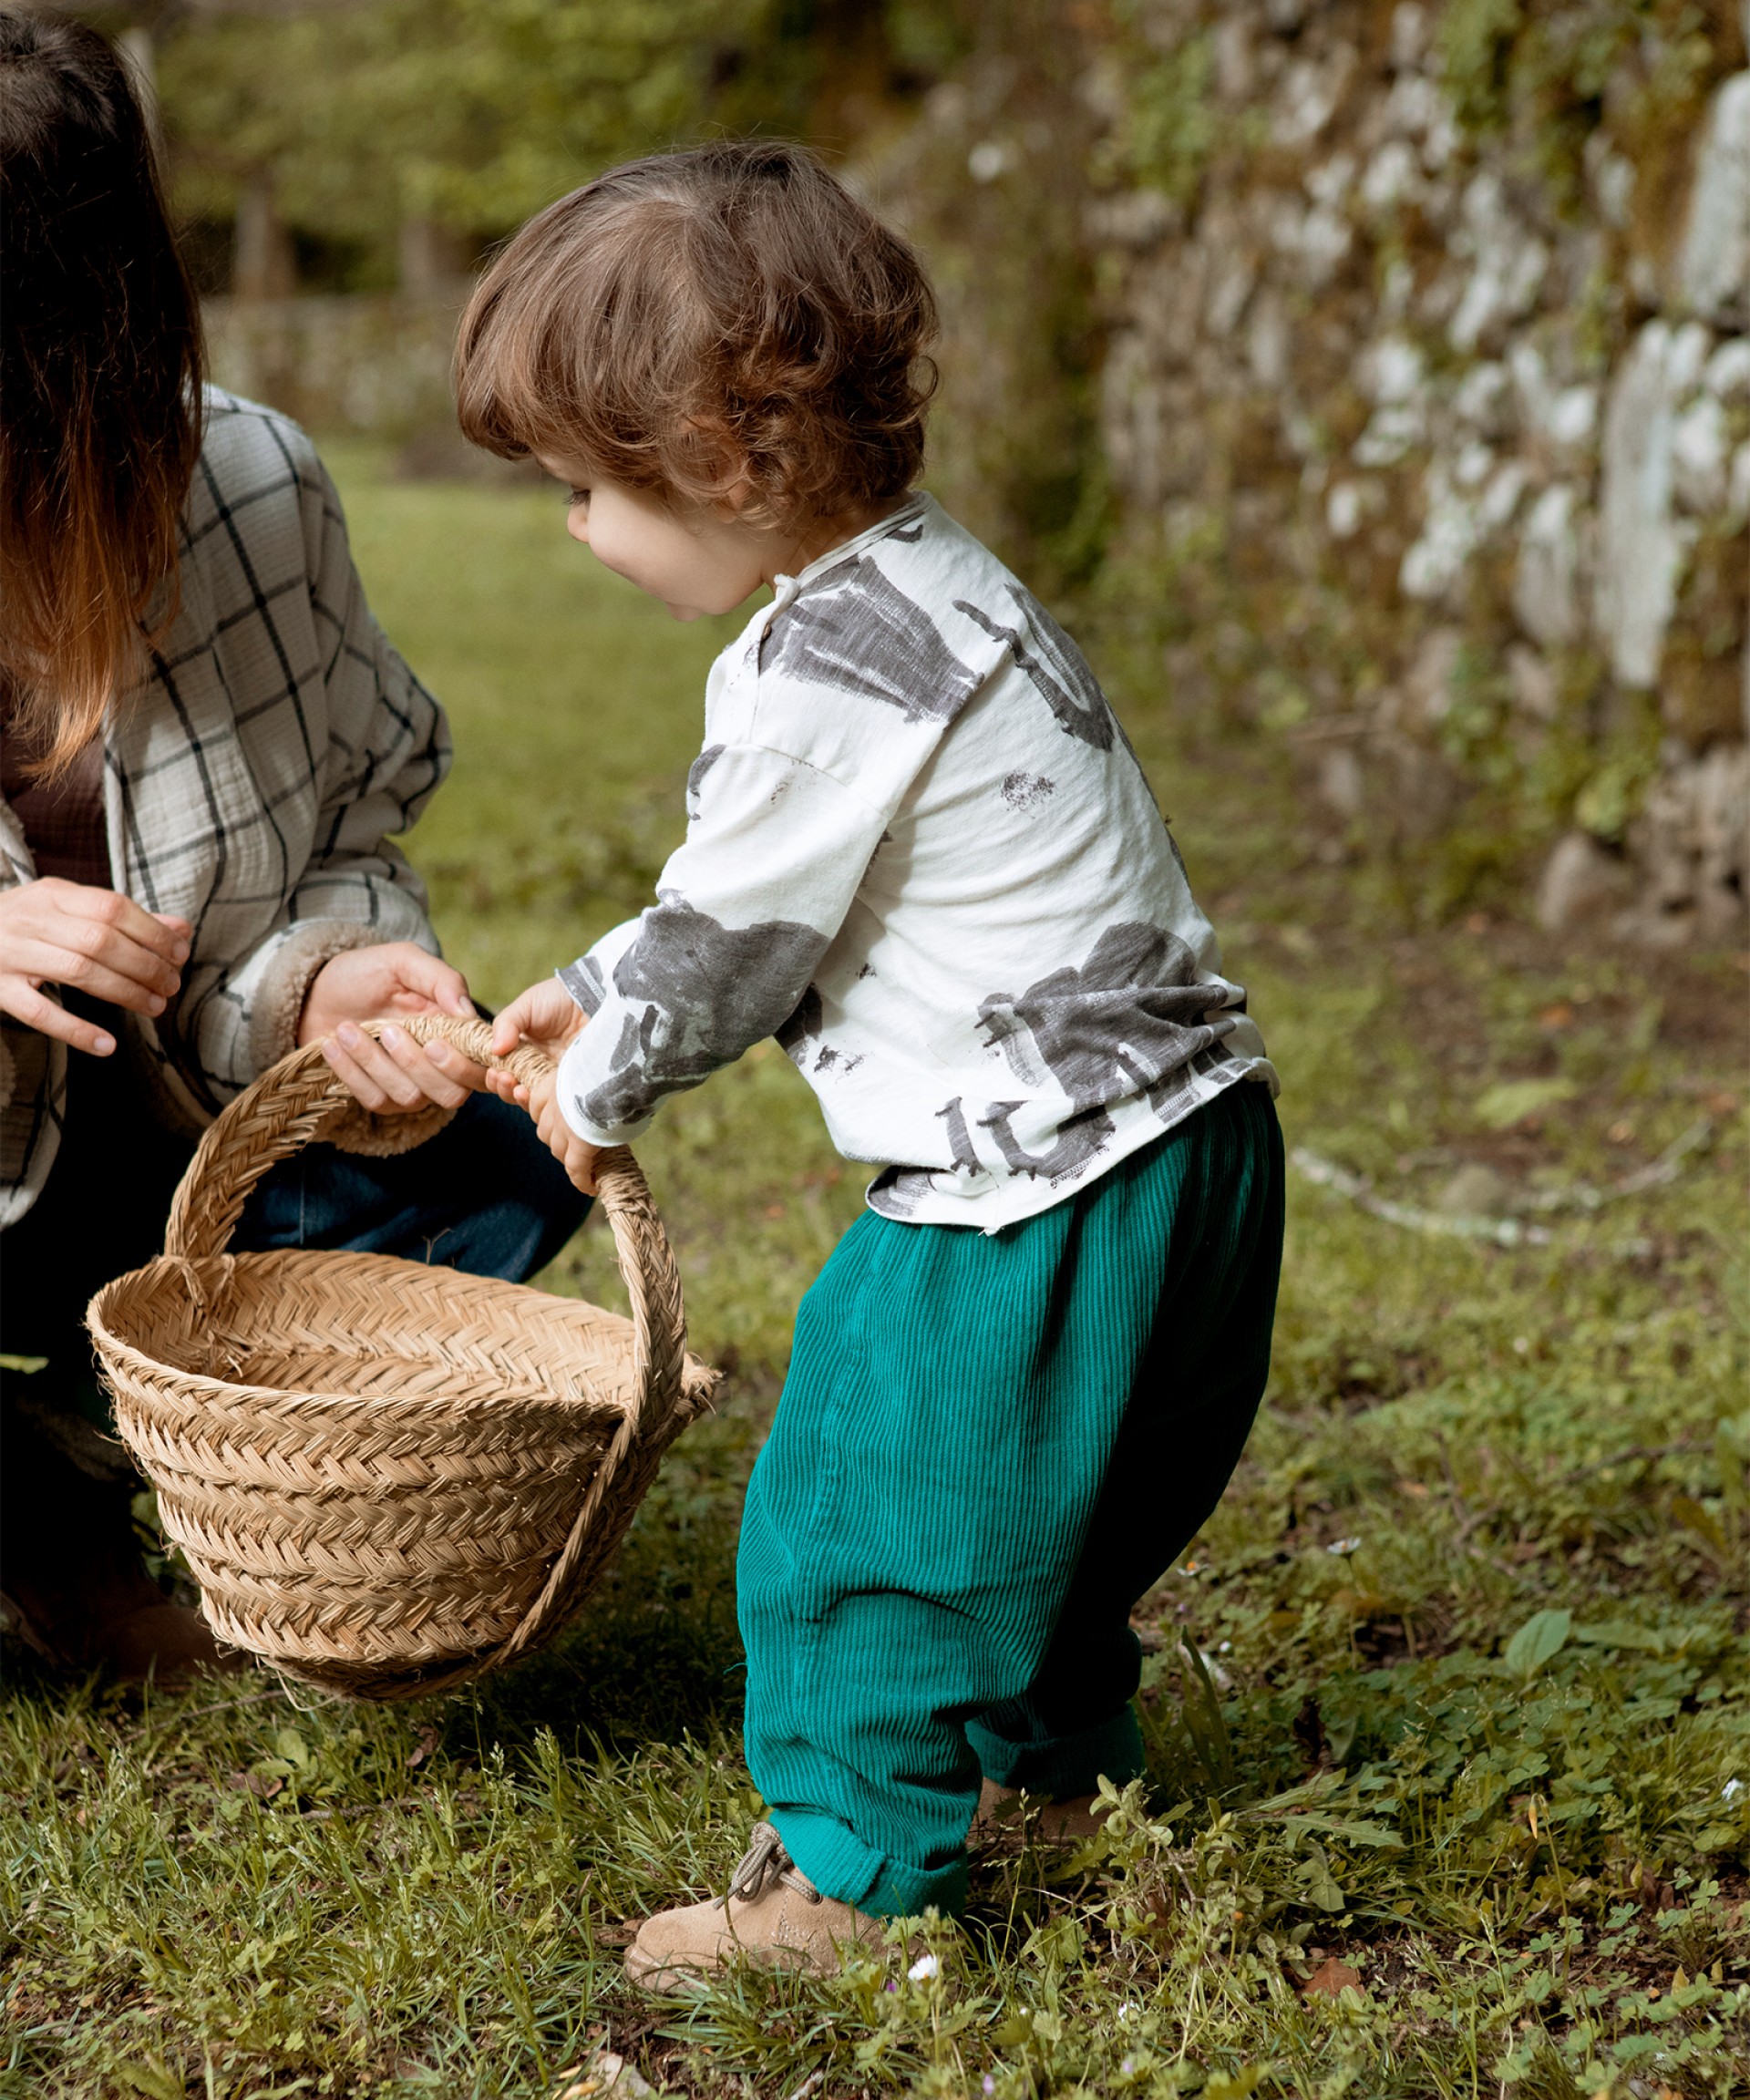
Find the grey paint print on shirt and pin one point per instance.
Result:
(1131, 1014)
(696, 772)
(584, 982)
(1027, 790)
(858, 630)
(702, 993)
(1080, 1141)
(802, 1025)
(1059, 671)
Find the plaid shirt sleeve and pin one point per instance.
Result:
(302, 741)
(386, 750)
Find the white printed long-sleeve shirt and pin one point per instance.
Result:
(921, 854)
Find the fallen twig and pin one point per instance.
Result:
(1504, 1231)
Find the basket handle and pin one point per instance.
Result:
(290, 1105)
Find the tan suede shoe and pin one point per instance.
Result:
(1005, 1813)
(773, 1914)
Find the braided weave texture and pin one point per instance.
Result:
(387, 1477)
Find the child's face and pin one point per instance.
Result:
(695, 560)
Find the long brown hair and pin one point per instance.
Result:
(100, 370)
(690, 318)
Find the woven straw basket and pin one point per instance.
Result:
(388, 1477)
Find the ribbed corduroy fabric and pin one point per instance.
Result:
(989, 1446)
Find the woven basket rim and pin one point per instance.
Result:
(698, 1381)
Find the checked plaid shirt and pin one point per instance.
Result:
(251, 784)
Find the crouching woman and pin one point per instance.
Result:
(206, 742)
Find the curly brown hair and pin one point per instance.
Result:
(696, 317)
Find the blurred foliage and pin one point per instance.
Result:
(1165, 124)
(991, 179)
(470, 112)
(475, 113)
(1545, 72)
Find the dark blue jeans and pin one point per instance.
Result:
(484, 1195)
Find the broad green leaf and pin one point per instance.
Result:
(1350, 1831)
(292, 1748)
(1544, 1634)
(1320, 1884)
(1619, 1633)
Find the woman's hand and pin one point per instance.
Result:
(547, 1016)
(95, 941)
(393, 1075)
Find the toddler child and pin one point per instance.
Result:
(920, 854)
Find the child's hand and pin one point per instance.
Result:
(547, 1016)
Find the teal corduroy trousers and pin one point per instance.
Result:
(988, 1447)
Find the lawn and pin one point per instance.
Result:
(1449, 1711)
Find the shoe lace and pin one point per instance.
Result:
(764, 1861)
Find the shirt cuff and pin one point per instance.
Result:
(570, 1091)
(278, 1005)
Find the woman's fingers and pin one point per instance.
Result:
(21, 999)
(431, 977)
(136, 981)
(122, 926)
(70, 947)
(370, 1074)
(394, 1073)
(434, 1067)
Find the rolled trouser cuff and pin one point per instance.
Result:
(1059, 1767)
(841, 1866)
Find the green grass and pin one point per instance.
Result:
(1454, 1690)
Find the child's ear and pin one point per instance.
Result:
(726, 463)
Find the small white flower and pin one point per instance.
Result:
(925, 1969)
(1128, 2069)
(1343, 1546)
(1128, 2009)
(1731, 1790)
(1225, 1649)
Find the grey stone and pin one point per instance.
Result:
(1484, 399)
(1533, 681)
(1393, 177)
(1690, 838)
(1580, 881)
(1427, 685)
(1409, 33)
(1640, 548)
(1546, 578)
(1701, 446)
(1507, 264)
(1726, 374)
(1341, 785)
(1235, 74)
(1714, 268)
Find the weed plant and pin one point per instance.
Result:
(1449, 1711)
